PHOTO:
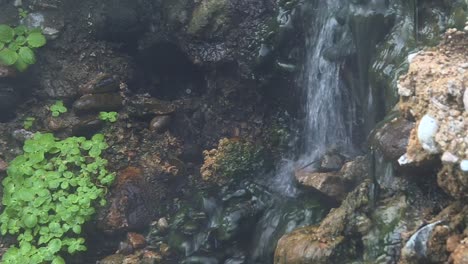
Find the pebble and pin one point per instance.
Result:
(163, 224)
(426, 132)
(137, 241)
(464, 165)
(3, 165)
(448, 157)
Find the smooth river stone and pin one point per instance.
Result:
(98, 102)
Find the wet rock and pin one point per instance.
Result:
(130, 205)
(392, 138)
(460, 255)
(335, 184)
(453, 181)
(125, 248)
(8, 100)
(22, 135)
(192, 152)
(437, 104)
(331, 242)
(86, 127)
(453, 242)
(102, 83)
(331, 162)
(328, 183)
(113, 259)
(356, 171)
(209, 15)
(448, 157)
(163, 225)
(150, 257)
(62, 122)
(92, 103)
(3, 165)
(140, 106)
(416, 248)
(6, 71)
(137, 241)
(200, 260)
(160, 123)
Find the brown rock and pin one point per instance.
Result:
(130, 207)
(143, 106)
(93, 103)
(137, 241)
(392, 138)
(160, 123)
(335, 184)
(328, 183)
(453, 242)
(102, 83)
(150, 257)
(327, 243)
(304, 245)
(3, 165)
(112, 259)
(460, 255)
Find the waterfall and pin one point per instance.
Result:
(330, 114)
(326, 94)
(330, 109)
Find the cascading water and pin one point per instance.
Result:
(330, 111)
(326, 93)
(329, 120)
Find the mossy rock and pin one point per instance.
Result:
(210, 17)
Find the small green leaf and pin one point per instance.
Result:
(8, 57)
(36, 40)
(58, 260)
(27, 55)
(30, 221)
(6, 33)
(20, 30)
(21, 65)
(54, 245)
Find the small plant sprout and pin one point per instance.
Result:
(28, 122)
(58, 108)
(22, 13)
(108, 116)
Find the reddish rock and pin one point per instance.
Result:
(3, 165)
(328, 183)
(453, 242)
(460, 255)
(335, 184)
(137, 241)
(130, 206)
(327, 243)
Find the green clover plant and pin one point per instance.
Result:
(22, 13)
(17, 46)
(50, 191)
(108, 116)
(58, 108)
